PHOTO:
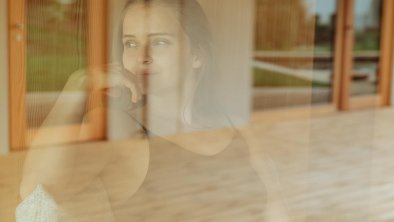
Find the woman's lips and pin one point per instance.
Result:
(147, 72)
(144, 74)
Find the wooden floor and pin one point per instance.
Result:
(336, 167)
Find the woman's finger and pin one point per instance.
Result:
(110, 83)
(135, 90)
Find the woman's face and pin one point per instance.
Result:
(155, 47)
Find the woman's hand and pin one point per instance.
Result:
(56, 165)
(109, 82)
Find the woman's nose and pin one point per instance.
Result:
(144, 56)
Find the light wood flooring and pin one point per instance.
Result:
(336, 167)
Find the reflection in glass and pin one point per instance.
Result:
(56, 48)
(283, 58)
(324, 50)
(367, 15)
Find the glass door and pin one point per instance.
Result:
(366, 53)
(56, 48)
(337, 58)
(50, 40)
(366, 47)
(283, 56)
(324, 51)
(353, 44)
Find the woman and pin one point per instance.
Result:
(165, 50)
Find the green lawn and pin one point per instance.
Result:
(49, 72)
(266, 78)
(53, 55)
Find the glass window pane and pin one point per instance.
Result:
(56, 48)
(367, 17)
(283, 61)
(324, 50)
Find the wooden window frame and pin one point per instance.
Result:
(20, 136)
(343, 64)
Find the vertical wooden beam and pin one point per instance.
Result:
(347, 55)
(17, 73)
(97, 61)
(386, 52)
(338, 53)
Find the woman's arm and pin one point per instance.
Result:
(54, 165)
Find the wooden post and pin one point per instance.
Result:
(386, 53)
(97, 61)
(347, 54)
(17, 73)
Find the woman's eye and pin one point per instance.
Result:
(130, 44)
(160, 42)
